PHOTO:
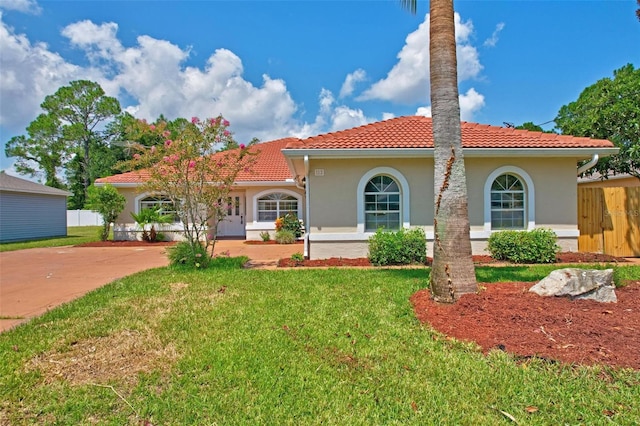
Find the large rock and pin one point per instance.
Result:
(578, 283)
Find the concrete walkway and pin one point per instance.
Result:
(34, 281)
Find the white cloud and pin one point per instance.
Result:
(408, 81)
(470, 103)
(28, 73)
(493, 40)
(24, 6)
(351, 80)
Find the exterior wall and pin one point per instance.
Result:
(255, 228)
(126, 228)
(28, 216)
(333, 200)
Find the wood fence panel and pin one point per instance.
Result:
(622, 210)
(590, 212)
(609, 220)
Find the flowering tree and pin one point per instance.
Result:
(188, 170)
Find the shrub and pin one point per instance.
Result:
(285, 237)
(265, 236)
(297, 257)
(289, 222)
(536, 246)
(403, 247)
(184, 254)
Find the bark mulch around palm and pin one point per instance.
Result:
(506, 316)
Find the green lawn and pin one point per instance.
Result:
(236, 347)
(75, 235)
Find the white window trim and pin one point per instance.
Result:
(530, 200)
(175, 226)
(261, 194)
(405, 211)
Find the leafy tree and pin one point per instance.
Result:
(83, 111)
(452, 273)
(609, 109)
(529, 126)
(109, 203)
(43, 149)
(191, 174)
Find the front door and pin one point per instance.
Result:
(233, 225)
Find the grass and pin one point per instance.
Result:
(75, 235)
(232, 346)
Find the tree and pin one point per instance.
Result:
(43, 149)
(191, 174)
(452, 272)
(109, 203)
(609, 109)
(83, 111)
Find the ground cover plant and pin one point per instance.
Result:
(75, 235)
(232, 346)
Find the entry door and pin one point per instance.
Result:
(233, 224)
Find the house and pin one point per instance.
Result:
(346, 184)
(30, 211)
(616, 181)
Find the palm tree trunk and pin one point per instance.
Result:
(452, 273)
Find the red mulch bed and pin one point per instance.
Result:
(565, 257)
(506, 316)
(126, 244)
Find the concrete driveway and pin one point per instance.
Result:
(34, 281)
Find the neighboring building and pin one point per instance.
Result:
(346, 184)
(618, 181)
(31, 211)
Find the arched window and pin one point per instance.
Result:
(508, 203)
(158, 201)
(382, 204)
(275, 205)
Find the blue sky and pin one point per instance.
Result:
(300, 68)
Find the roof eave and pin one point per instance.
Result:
(578, 152)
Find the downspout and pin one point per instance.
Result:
(590, 164)
(306, 210)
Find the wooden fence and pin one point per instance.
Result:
(609, 221)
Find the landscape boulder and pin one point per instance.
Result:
(577, 283)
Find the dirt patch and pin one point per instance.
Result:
(120, 356)
(506, 316)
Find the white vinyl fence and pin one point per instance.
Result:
(83, 218)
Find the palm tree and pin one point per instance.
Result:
(452, 272)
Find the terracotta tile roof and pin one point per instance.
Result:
(416, 132)
(271, 166)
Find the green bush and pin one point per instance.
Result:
(403, 247)
(536, 246)
(265, 236)
(285, 237)
(184, 254)
(289, 222)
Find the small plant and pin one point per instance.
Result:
(109, 203)
(403, 247)
(297, 257)
(285, 237)
(265, 236)
(289, 222)
(151, 217)
(184, 254)
(536, 246)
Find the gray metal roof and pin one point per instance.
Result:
(16, 184)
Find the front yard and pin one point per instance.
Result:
(233, 346)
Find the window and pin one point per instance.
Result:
(164, 203)
(275, 205)
(382, 204)
(508, 203)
